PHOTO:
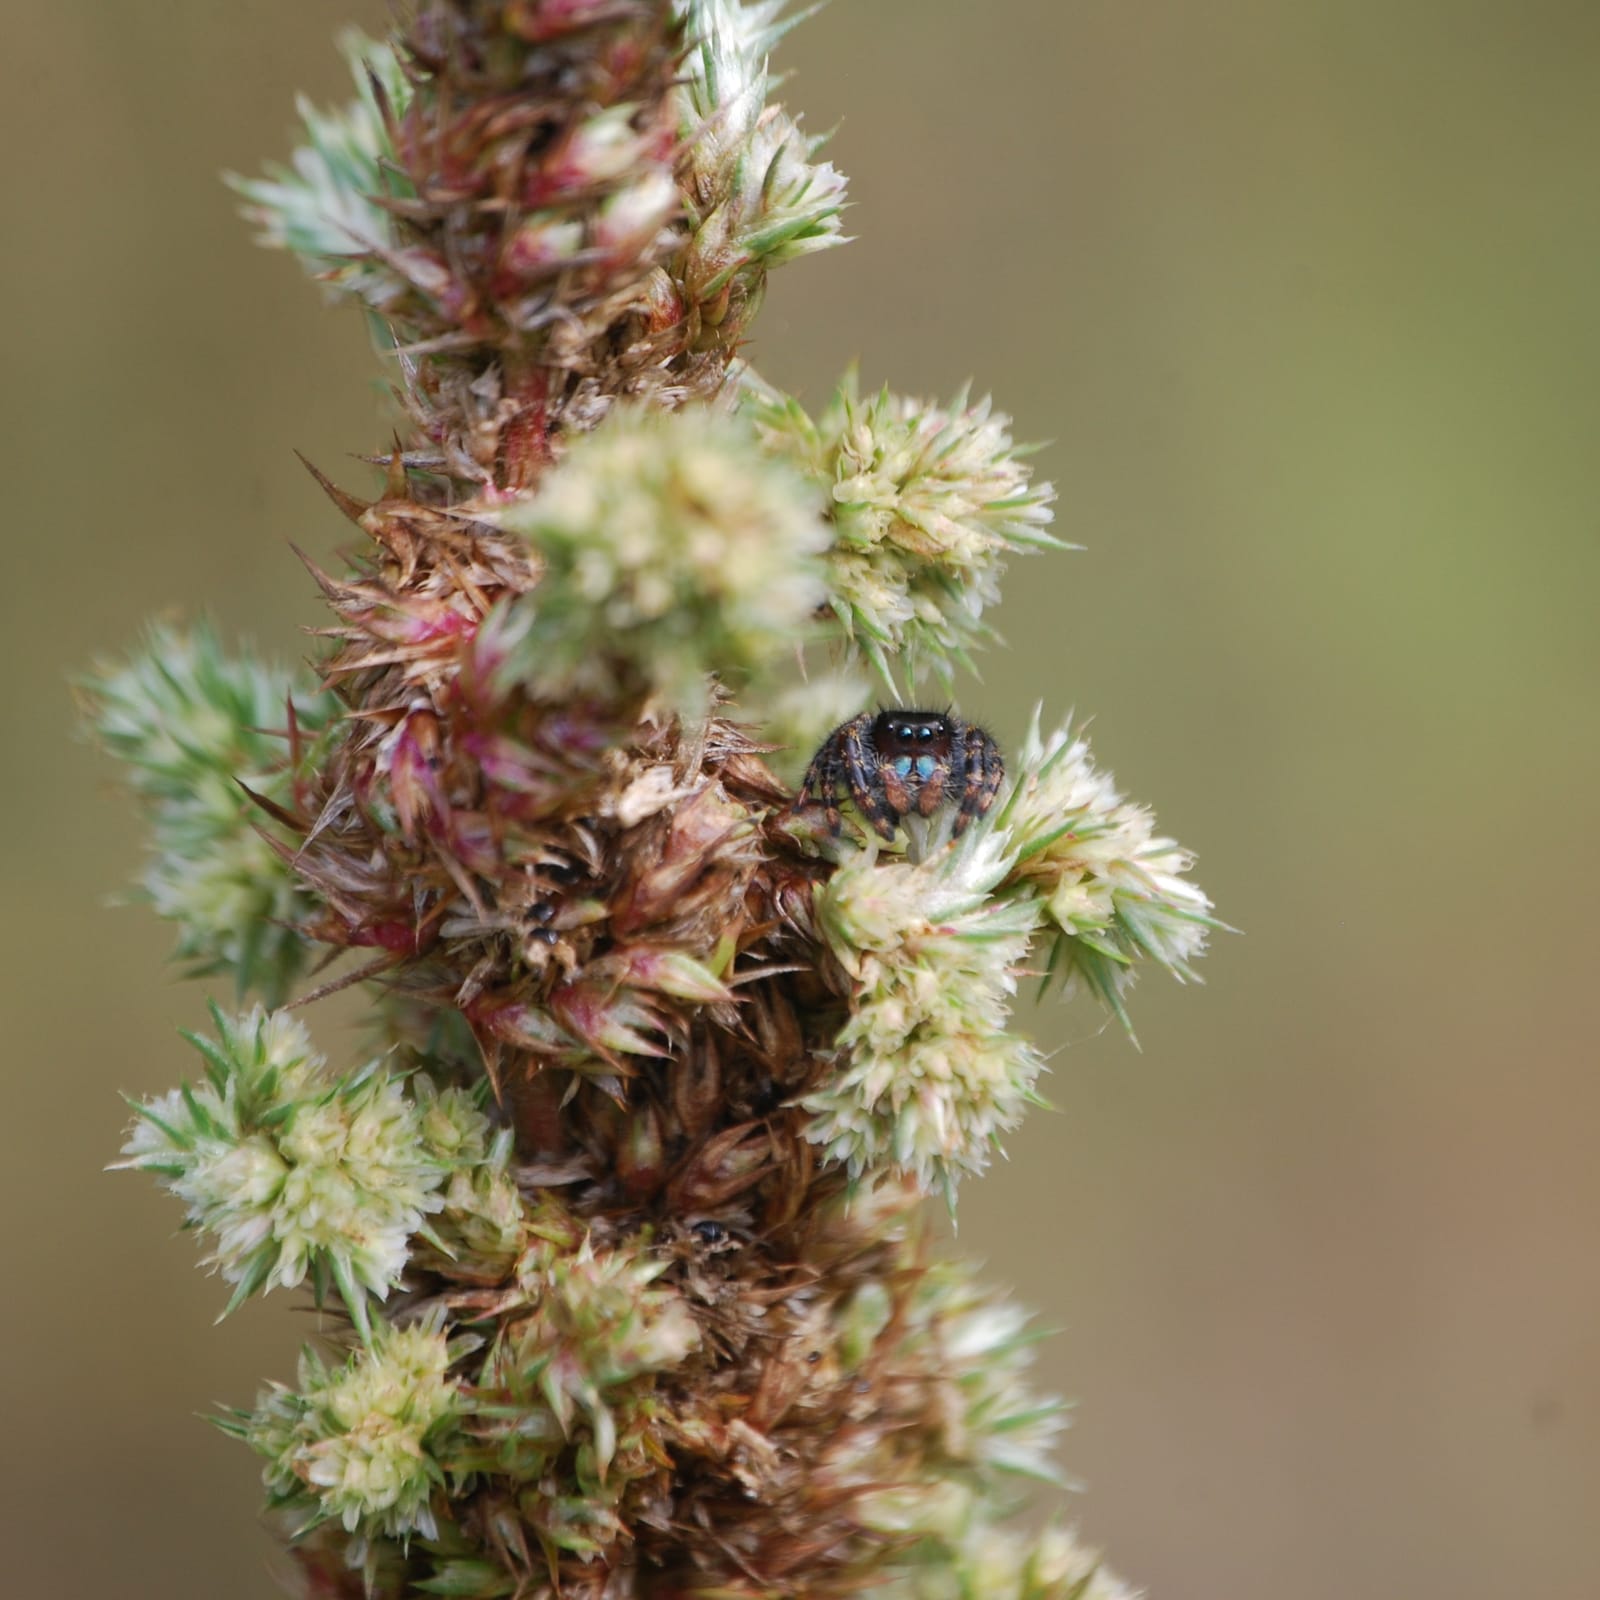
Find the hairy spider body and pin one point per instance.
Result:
(902, 763)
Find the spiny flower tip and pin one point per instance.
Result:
(357, 1444)
(199, 733)
(928, 1077)
(1112, 889)
(291, 1171)
(926, 502)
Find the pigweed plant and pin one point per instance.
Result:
(615, 1235)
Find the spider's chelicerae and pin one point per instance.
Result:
(902, 763)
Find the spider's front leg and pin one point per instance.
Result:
(822, 780)
(864, 772)
(976, 776)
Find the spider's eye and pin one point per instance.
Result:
(903, 731)
(925, 733)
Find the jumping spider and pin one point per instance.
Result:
(901, 763)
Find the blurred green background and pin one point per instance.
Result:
(1305, 297)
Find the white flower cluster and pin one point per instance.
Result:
(352, 1445)
(993, 1429)
(479, 1229)
(324, 210)
(982, 1558)
(598, 1325)
(756, 197)
(672, 546)
(1112, 888)
(1000, 1427)
(190, 725)
(577, 1363)
(292, 1172)
(929, 1077)
(926, 502)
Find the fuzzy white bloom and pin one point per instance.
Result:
(926, 502)
(360, 1181)
(928, 1076)
(603, 1305)
(922, 1511)
(756, 196)
(191, 724)
(597, 1330)
(999, 1427)
(353, 1445)
(480, 1223)
(730, 41)
(289, 1170)
(994, 1429)
(234, 903)
(324, 210)
(982, 1558)
(1057, 1563)
(991, 1430)
(672, 544)
(1113, 888)
(481, 1219)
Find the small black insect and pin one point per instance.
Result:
(903, 762)
(713, 1238)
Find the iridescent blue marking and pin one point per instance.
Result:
(925, 767)
(902, 765)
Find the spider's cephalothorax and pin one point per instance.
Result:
(902, 763)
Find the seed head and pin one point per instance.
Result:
(359, 1444)
(672, 549)
(926, 502)
(616, 1235)
(928, 1076)
(292, 1172)
(327, 208)
(207, 741)
(1113, 891)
